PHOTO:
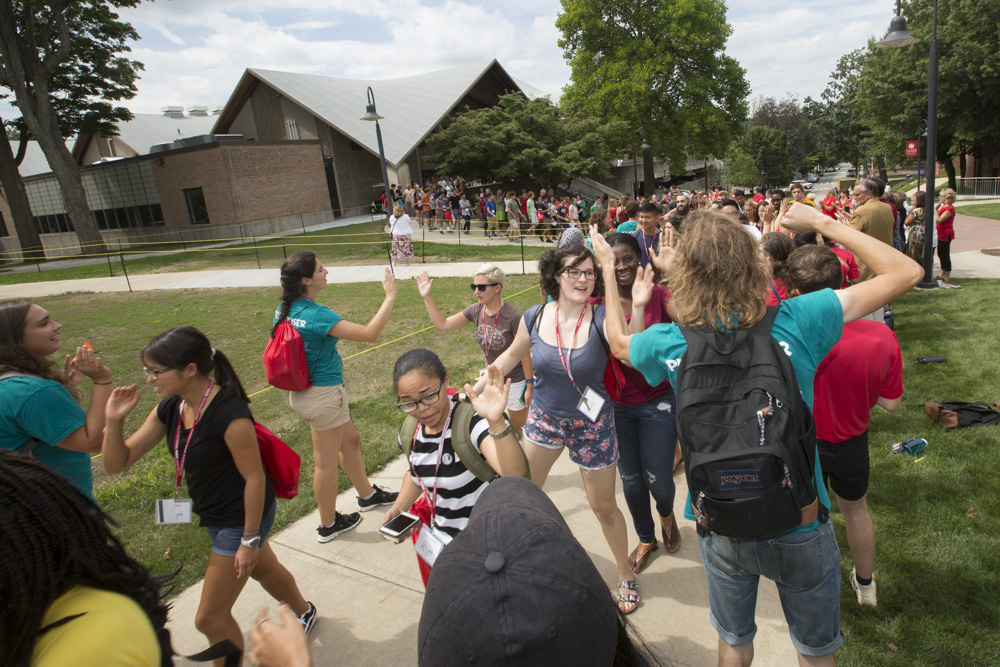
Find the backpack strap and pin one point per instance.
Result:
(774, 289)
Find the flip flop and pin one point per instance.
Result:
(641, 554)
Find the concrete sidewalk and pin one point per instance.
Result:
(369, 593)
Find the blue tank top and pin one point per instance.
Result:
(554, 393)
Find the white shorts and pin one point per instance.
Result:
(514, 402)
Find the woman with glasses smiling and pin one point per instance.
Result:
(436, 472)
(571, 408)
(496, 323)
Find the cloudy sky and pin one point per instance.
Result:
(194, 51)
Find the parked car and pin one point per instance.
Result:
(851, 173)
(813, 178)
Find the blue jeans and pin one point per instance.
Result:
(647, 437)
(804, 565)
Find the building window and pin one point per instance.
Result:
(111, 147)
(293, 130)
(197, 210)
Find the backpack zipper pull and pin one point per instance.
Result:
(697, 507)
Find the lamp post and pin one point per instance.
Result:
(372, 115)
(923, 122)
(706, 174)
(897, 37)
(635, 170)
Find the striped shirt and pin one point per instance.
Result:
(457, 488)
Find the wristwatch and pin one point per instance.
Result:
(251, 543)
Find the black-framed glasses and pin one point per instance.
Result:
(475, 287)
(155, 374)
(429, 399)
(575, 274)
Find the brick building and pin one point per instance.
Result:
(286, 150)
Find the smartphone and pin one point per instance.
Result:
(399, 527)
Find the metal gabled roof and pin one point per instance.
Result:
(412, 106)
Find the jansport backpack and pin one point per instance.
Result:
(748, 438)
(285, 359)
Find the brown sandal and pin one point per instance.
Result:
(640, 555)
(671, 534)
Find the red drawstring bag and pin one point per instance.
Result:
(422, 510)
(285, 359)
(281, 463)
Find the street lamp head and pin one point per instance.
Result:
(645, 144)
(898, 36)
(370, 113)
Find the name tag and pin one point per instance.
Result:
(173, 511)
(590, 404)
(428, 545)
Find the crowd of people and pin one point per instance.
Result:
(595, 370)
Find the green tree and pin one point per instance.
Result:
(894, 87)
(658, 66)
(835, 120)
(766, 146)
(791, 120)
(525, 141)
(63, 63)
(740, 168)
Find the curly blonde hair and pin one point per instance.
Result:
(718, 277)
(949, 194)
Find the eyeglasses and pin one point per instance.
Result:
(429, 399)
(575, 274)
(149, 372)
(475, 287)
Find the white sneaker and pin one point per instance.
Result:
(866, 594)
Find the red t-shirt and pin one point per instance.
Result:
(776, 291)
(758, 198)
(848, 264)
(946, 229)
(831, 204)
(865, 364)
(636, 390)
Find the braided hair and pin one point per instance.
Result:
(14, 356)
(300, 265)
(53, 538)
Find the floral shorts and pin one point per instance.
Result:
(591, 445)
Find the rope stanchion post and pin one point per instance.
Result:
(111, 273)
(124, 270)
(39, 265)
(183, 243)
(423, 245)
(255, 251)
(523, 272)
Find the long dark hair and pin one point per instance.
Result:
(14, 356)
(53, 538)
(777, 246)
(186, 345)
(300, 265)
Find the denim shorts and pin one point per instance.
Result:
(804, 565)
(591, 445)
(226, 541)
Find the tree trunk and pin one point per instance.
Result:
(20, 209)
(949, 168)
(648, 178)
(961, 164)
(882, 173)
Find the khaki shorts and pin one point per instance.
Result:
(322, 408)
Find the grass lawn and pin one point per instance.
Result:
(363, 243)
(237, 322)
(991, 211)
(938, 561)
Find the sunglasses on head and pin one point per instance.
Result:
(480, 288)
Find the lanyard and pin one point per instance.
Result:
(649, 253)
(181, 457)
(440, 450)
(566, 361)
(487, 335)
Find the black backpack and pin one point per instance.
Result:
(748, 438)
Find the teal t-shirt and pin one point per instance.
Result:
(33, 407)
(628, 226)
(313, 322)
(806, 327)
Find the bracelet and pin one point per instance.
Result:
(103, 383)
(502, 434)
(529, 380)
(251, 534)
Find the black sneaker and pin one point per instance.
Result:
(343, 523)
(308, 619)
(380, 497)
